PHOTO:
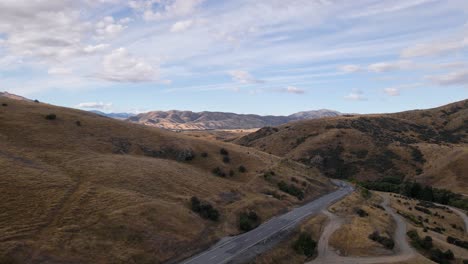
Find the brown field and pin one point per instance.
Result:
(226, 135)
(105, 191)
(405, 205)
(369, 147)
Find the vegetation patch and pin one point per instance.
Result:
(385, 241)
(51, 117)
(204, 209)
(426, 246)
(305, 245)
(291, 189)
(248, 221)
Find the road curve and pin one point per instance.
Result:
(461, 214)
(238, 245)
(403, 251)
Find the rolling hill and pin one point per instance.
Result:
(427, 145)
(188, 120)
(76, 187)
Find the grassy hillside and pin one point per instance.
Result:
(81, 188)
(427, 145)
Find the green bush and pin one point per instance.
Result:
(305, 245)
(248, 221)
(51, 117)
(385, 241)
(242, 169)
(291, 189)
(218, 172)
(204, 209)
(224, 152)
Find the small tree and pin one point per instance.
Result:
(223, 152)
(242, 169)
(226, 159)
(4, 104)
(305, 245)
(51, 117)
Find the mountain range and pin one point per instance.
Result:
(188, 120)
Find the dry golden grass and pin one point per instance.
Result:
(352, 238)
(284, 252)
(227, 135)
(87, 193)
(369, 147)
(449, 218)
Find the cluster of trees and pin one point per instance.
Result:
(51, 117)
(457, 242)
(291, 189)
(248, 221)
(427, 246)
(204, 209)
(385, 241)
(418, 191)
(305, 245)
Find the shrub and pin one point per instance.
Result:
(291, 189)
(385, 241)
(204, 154)
(223, 152)
(305, 245)
(204, 209)
(248, 221)
(365, 193)
(51, 117)
(361, 212)
(231, 173)
(36, 101)
(242, 169)
(78, 123)
(4, 104)
(218, 172)
(226, 159)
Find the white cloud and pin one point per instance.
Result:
(436, 48)
(453, 78)
(293, 90)
(350, 68)
(108, 27)
(95, 105)
(243, 77)
(356, 95)
(181, 26)
(121, 66)
(59, 71)
(390, 66)
(165, 9)
(392, 91)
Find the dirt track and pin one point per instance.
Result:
(403, 250)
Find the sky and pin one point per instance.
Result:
(246, 56)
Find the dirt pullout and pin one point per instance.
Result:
(403, 250)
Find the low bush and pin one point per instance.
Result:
(204, 209)
(248, 221)
(361, 212)
(4, 104)
(226, 159)
(51, 117)
(242, 169)
(224, 152)
(218, 172)
(204, 154)
(291, 189)
(305, 245)
(385, 241)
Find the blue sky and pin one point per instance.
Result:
(245, 56)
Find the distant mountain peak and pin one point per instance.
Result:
(188, 120)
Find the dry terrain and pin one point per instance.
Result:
(427, 145)
(188, 120)
(226, 135)
(81, 188)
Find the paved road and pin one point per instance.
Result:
(403, 251)
(240, 244)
